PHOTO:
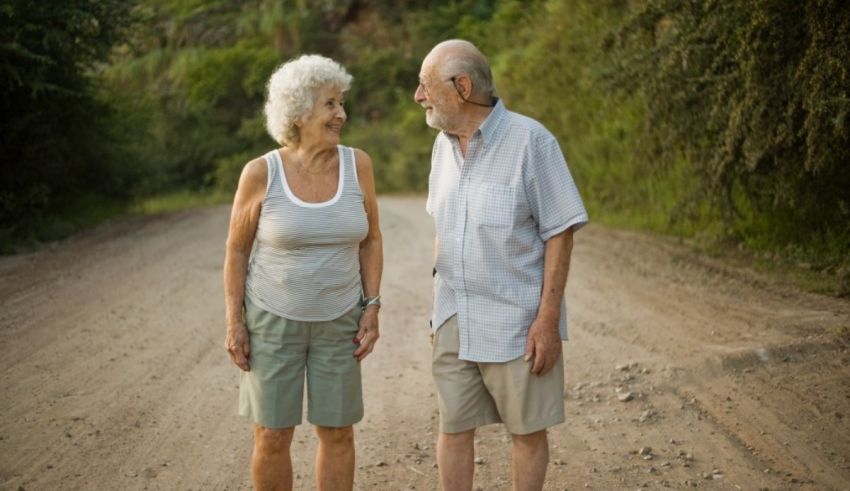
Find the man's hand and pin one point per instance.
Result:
(368, 334)
(238, 345)
(544, 345)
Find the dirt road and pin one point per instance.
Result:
(681, 371)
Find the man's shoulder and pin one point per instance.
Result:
(520, 123)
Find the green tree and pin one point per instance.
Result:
(55, 138)
(757, 96)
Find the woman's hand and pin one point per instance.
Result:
(238, 345)
(368, 334)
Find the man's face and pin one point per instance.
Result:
(435, 95)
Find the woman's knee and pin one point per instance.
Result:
(335, 436)
(273, 440)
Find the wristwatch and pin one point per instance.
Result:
(367, 301)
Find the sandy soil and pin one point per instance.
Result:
(681, 371)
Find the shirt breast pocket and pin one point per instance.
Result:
(492, 205)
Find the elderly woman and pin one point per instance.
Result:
(301, 277)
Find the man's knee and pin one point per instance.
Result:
(531, 439)
(462, 438)
(273, 440)
(335, 436)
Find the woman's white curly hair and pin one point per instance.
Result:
(292, 90)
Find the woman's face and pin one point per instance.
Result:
(325, 121)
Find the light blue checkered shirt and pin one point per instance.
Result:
(493, 212)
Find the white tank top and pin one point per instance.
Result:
(305, 264)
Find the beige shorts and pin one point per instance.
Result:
(472, 394)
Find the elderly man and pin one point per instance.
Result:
(505, 208)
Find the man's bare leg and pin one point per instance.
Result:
(455, 455)
(529, 458)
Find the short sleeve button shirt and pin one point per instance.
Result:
(494, 209)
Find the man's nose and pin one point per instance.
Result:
(419, 95)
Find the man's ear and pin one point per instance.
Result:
(464, 86)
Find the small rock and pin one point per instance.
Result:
(644, 416)
(557, 462)
(622, 368)
(130, 474)
(380, 463)
(479, 460)
(625, 397)
(645, 450)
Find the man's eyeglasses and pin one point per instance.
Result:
(425, 87)
(453, 80)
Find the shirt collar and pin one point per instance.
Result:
(490, 124)
(488, 127)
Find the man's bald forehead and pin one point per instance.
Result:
(456, 47)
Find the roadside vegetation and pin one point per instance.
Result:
(722, 123)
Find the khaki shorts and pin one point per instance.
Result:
(474, 394)
(282, 351)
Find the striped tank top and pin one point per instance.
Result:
(305, 264)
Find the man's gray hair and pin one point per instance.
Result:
(472, 63)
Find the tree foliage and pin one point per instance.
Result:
(757, 96)
(724, 118)
(56, 139)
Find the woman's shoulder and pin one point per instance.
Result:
(255, 173)
(362, 160)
